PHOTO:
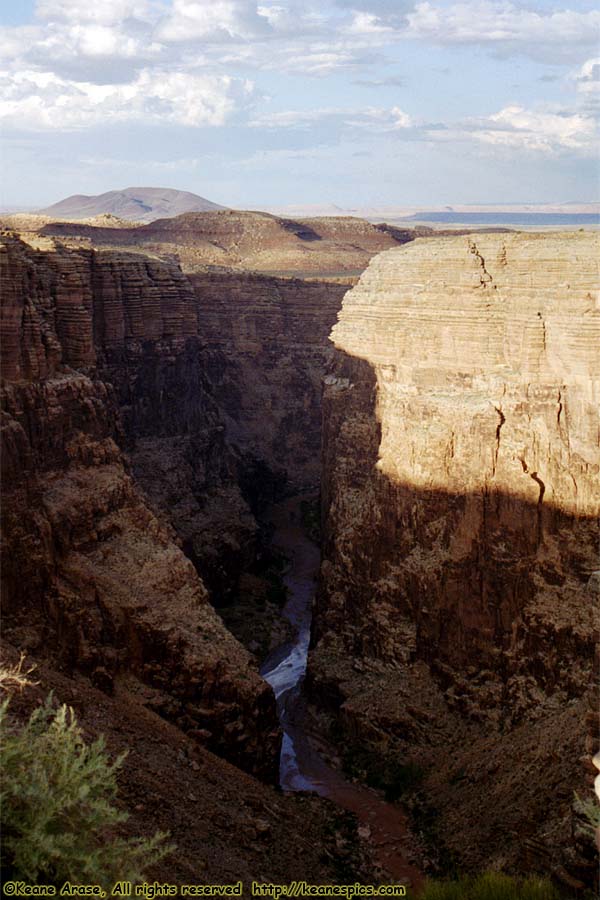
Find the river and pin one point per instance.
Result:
(302, 768)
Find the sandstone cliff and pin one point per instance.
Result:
(460, 495)
(100, 354)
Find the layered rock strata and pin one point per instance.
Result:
(460, 502)
(266, 352)
(100, 354)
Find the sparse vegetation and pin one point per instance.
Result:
(15, 677)
(491, 886)
(59, 821)
(589, 810)
(393, 777)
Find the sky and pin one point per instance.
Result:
(354, 103)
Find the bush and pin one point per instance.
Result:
(57, 813)
(491, 886)
(589, 810)
(387, 774)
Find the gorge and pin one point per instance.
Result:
(153, 412)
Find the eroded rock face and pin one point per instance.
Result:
(102, 353)
(266, 351)
(460, 490)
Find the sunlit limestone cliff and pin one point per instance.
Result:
(461, 475)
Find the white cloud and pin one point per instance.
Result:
(297, 57)
(43, 100)
(515, 129)
(512, 129)
(373, 118)
(365, 23)
(589, 73)
(111, 41)
(541, 131)
(587, 85)
(217, 20)
(182, 164)
(151, 61)
(552, 35)
(104, 12)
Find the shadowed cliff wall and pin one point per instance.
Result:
(101, 353)
(143, 415)
(266, 352)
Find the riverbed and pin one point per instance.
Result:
(302, 768)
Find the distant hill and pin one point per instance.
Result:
(330, 247)
(140, 204)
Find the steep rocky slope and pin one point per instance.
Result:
(224, 824)
(101, 353)
(460, 490)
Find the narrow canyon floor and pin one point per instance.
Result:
(303, 766)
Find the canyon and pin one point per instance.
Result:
(162, 385)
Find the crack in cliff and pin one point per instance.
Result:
(543, 323)
(498, 430)
(540, 500)
(486, 278)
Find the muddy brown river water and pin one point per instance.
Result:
(302, 768)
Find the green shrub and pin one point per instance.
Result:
(57, 813)
(388, 774)
(589, 810)
(491, 886)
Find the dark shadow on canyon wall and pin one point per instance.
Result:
(469, 596)
(453, 632)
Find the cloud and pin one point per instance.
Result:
(112, 41)
(152, 61)
(301, 57)
(41, 100)
(515, 129)
(374, 119)
(390, 12)
(388, 81)
(541, 131)
(589, 73)
(105, 12)
(183, 164)
(587, 86)
(216, 21)
(587, 78)
(510, 28)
